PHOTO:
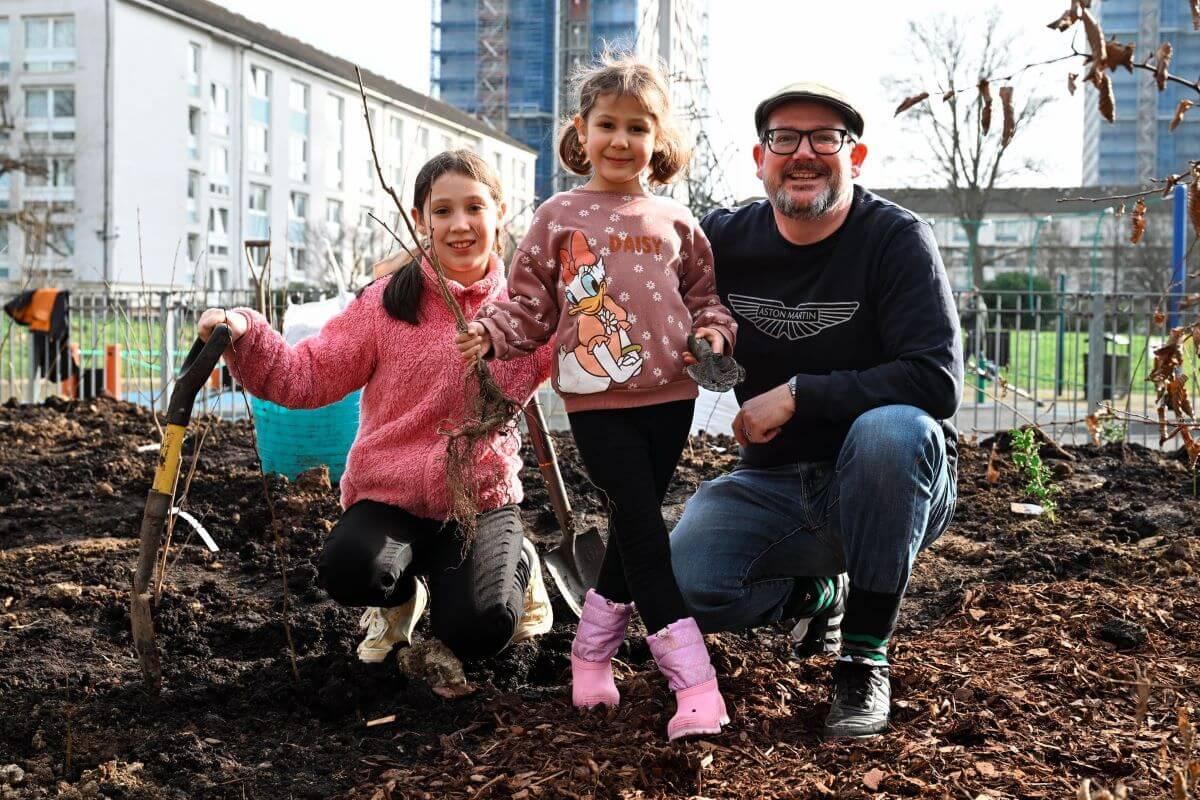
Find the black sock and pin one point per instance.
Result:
(868, 625)
(810, 596)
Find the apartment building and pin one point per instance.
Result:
(148, 140)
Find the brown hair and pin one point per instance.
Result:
(402, 296)
(626, 74)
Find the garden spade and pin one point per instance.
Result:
(575, 562)
(197, 367)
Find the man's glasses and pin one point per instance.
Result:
(824, 141)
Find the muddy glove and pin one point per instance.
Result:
(717, 373)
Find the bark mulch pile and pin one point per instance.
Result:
(1032, 655)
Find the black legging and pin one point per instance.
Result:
(631, 454)
(375, 551)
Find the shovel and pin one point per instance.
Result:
(575, 562)
(192, 376)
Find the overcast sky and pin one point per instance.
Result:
(755, 47)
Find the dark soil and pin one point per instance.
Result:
(1017, 670)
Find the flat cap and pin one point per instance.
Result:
(808, 90)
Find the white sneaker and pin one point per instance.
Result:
(537, 617)
(387, 627)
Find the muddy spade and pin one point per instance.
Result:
(575, 562)
(197, 367)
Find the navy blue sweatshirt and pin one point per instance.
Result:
(864, 318)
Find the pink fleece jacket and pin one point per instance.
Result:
(413, 380)
(619, 281)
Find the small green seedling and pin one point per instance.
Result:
(1025, 454)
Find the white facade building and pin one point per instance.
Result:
(170, 132)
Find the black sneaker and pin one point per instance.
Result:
(862, 698)
(823, 633)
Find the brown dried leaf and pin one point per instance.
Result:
(1095, 37)
(993, 472)
(1142, 693)
(1108, 103)
(985, 113)
(1138, 218)
(1117, 54)
(949, 93)
(1072, 77)
(1169, 183)
(909, 102)
(1196, 15)
(1180, 110)
(873, 778)
(1162, 60)
(1093, 426)
(1068, 18)
(1179, 789)
(1194, 199)
(1159, 316)
(1010, 115)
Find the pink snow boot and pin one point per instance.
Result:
(601, 631)
(682, 657)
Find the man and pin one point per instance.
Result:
(851, 347)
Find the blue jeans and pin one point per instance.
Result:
(746, 537)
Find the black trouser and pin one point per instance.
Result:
(476, 598)
(631, 454)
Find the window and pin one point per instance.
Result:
(49, 44)
(193, 196)
(298, 102)
(447, 143)
(49, 232)
(298, 219)
(395, 150)
(258, 131)
(218, 231)
(258, 217)
(297, 261)
(3, 247)
(370, 175)
(335, 109)
(522, 177)
(218, 169)
(49, 113)
(193, 69)
(193, 247)
(218, 107)
(5, 48)
(499, 158)
(1008, 230)
(59, 173)
(6, 115)
(5, 190)
(423, 138)
(333, 212)
(364, 217)
(193, 140)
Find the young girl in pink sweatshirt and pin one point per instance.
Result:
(394, 342)
(620, 278)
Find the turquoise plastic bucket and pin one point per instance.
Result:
(291, 441)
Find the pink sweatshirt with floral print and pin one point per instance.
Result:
(618, 281)
(413, 383)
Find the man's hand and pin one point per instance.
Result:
(715, 340)
(212, 317)
(475, 343)
(761, 417)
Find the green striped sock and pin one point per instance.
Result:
(868, 624)
(819, 595)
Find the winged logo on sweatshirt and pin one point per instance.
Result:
(793, 322)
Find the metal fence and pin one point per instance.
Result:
(1047, 358)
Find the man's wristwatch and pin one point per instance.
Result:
(791, 384)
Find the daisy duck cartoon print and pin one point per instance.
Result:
(605, 354)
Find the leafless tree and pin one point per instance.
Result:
(965, 150)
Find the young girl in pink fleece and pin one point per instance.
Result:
(393, 341)
(620, 278)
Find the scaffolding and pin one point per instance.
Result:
(492, 64)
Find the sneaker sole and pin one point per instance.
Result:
(541, 599)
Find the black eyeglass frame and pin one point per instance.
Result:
(768, 137)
